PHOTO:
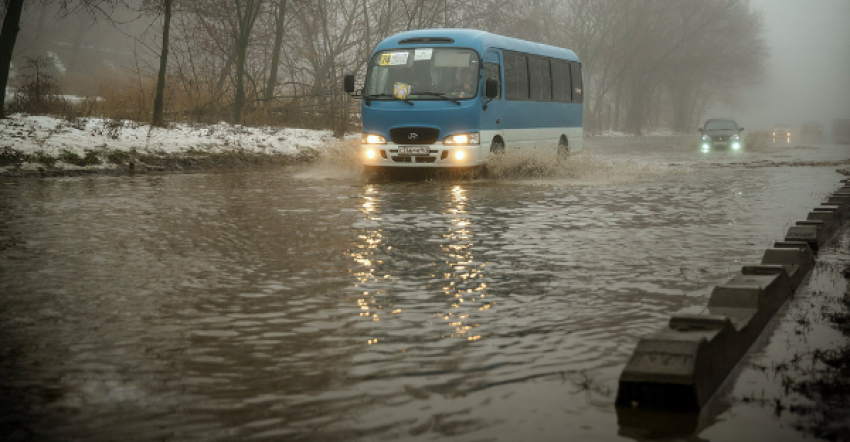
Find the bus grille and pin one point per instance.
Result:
(414, 159)
(414, 135)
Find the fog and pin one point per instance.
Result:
(647, 66)
(807, 74)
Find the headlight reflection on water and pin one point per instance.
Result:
(388, 291)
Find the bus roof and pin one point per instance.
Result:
(470, 38)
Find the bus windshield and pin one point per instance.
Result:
(423, 74)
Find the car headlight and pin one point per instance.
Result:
(373, 139)
(462, 139)
(706, 137)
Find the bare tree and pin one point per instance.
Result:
(8, 36)
(158, 102)
(280, 21)
(247, 13)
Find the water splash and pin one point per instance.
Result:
(578, 169)
(337, 160)
(340, 160)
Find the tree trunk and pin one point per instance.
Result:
(278, 42)
(246, 23)
(239, 102)
(11, 26)
(158, 102)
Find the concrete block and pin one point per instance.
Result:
(691, 322)
(841, 200)
(827, 227)
(822, 234)
(800, 245)
(788, 254)
(794, 272)
(735, 296)
(838, 214)
(765, 293)
(810, 234)
(671, 370)
(827, 217)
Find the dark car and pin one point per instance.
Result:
(721, 133)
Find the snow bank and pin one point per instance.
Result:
(50, 136)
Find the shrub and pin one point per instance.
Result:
(42, 157)
(69, 157)
(118, 156)
(89, 158)
(11, 156)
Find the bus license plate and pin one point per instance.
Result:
(413, 150)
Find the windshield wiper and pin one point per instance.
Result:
(441, 95)
(390, 96)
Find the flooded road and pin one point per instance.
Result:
(315, 304)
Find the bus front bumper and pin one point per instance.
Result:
(439, 155)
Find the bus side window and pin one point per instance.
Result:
(535, 73)
(516, 76)
(575, 70)
(491, 70)
(522, 77)
(560, 81)
(545, 81)
(510, 76)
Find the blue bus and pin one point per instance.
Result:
(455, 97)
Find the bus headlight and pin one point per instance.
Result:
(373, 139)
(706, 137)
(736, 146)
(462, 139)
(459, 155)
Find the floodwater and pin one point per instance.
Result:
(315, 304)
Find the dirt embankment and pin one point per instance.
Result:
(15, 164)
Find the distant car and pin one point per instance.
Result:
(811, 132)
(717, 133)
(781, 134)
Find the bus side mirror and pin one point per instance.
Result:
(491, 88)
(349, 83)
(740, 128)
(700, 130)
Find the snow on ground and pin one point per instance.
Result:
(31, 134)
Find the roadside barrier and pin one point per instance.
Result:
(680, 367)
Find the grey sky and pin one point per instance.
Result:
(808, 71)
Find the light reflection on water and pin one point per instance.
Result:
(275, 304)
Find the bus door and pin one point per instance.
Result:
(491, 118)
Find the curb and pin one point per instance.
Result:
(681, 366)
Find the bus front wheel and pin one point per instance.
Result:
(563, 147)
(497, 146)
